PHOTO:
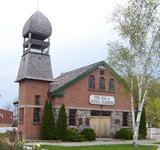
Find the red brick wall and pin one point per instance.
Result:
(77, 94)
(28, 89)
(7, 116)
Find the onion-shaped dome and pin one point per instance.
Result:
(38, 25)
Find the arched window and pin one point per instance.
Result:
(91, 82)
(101, 84)
(111, 85)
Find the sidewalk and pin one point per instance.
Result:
(104, 141)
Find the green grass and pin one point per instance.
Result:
(157, 143)
(99, 147)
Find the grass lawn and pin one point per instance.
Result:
(157, 143)
(100, 147)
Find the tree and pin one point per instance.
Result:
(153, 104)
(48, 124)
(142, 126)
(15, 113)
(51, 122)
(153, 111)
(62, 124)
(155, 89)
(137, 24)
(44, 133)
(8, 106)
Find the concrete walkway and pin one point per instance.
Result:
(98, 142)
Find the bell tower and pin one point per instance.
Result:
(34, 75)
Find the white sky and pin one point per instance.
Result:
(79, 36)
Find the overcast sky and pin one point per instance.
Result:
(79, 36)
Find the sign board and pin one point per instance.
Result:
(101, 100)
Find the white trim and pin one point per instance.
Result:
(31, 106)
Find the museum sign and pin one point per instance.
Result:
(101, 100)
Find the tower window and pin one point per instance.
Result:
(72, 117)
(101, 84)
(91, 82)
(36, 117)
(37, 97)
(111, 85)
(21, 115)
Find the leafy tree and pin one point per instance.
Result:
(153, 111)
(152, 105)
(62, 124)
(155, 89)
(138, 24)
(48, 125)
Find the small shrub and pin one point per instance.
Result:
(89, 134)
(74, 136)
(124, 134)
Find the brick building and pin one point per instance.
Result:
(6, 118)
(95, 96)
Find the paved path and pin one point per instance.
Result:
(99, 142)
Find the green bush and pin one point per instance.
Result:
(89, 134)
(44, 128)
(74, 136)
(51, 122)
(142, 126)
(62, 124)
(48, 124)
(124, 134)
(140, 137)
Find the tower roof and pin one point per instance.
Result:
(39, 25)
(36, 67)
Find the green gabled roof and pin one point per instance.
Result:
(68, 78)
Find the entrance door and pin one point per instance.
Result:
(101, 126)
